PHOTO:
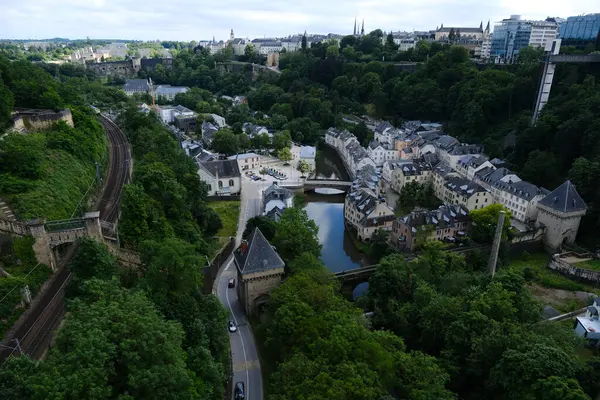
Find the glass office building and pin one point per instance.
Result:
(580, 30)
(509, 36)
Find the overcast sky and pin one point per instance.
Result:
(203, 19)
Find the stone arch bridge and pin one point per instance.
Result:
(50, 235)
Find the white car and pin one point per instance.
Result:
(232, 327)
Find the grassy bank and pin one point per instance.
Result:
(18, 260)
(56, 194)
(229, 211)
(534, 267)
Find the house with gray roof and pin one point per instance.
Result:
(208, 131)
(561, 212)
(168, 92)
(366, 212)
(466, 193)
(259, 268)
(133, 86)
(222, 177)
(276, 196)
(446, 223)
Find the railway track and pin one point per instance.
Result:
(33, 335)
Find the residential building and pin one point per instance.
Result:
(208, 131)
(259, 270)
(561, 212)
(366, 213)
(133, 86)
(443, 33)
(418, 171)
(276, 196)
(543, 33)
(168, 92)
(580, 30)
(382, 152)
(270, 47)
(186, 122)
(440, 173)
(246, 161)
(168, 113)
(445, 223)
(239, 46)
(218, 120)
(466, 193)
(253, 130)
(222, 177)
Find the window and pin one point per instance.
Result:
(231, 182)
(220, 184)
(210, 188)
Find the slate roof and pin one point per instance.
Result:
(444, 217)
(256, 254)
(276, 192)
(383, 126)
(417, 167)
(564, 199)
(224, 168)
(275, 214)
(165, 90)
(522, 189)
(136, 85)
(464, 186)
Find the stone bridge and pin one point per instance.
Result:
(312, 184)
(52, 234)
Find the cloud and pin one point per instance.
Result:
(192, 20)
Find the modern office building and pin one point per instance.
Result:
(580, 30)
(514, 33)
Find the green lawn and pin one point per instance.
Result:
(229, 211)
(589, 264)
(535, 269)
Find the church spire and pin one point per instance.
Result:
(362, 31)
(354, 26)
(487, 28)
(481, 25)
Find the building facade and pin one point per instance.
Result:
(259, 270)
(246, 161)
(222, 177)
(580, 30)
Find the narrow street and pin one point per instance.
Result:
(246, 366)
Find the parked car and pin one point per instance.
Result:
(231, 282)
(232, 327)
(239, 393)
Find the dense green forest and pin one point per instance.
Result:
(129, 336)
(126, 329)
(442, 329)
(46, 174)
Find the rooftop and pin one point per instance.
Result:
(222, 168)
(565, 199)
(256, 254)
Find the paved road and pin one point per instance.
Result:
(246, 367)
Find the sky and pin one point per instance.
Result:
(186, 20)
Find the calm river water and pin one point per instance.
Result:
(338, 253)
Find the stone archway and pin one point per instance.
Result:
(261, 304)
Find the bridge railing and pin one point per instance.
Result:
(63, 225)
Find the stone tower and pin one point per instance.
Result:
(259, 270)
(560, 212)
(231, 35)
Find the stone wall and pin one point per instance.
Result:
(565, 268)
(123, 69)
(35, 120)
(254, 285)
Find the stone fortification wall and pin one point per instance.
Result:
(35, 120)
(557, 263)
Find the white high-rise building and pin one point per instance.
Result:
(543, 32)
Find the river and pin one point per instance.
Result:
(327, 210)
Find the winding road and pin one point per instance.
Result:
(244, 354)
